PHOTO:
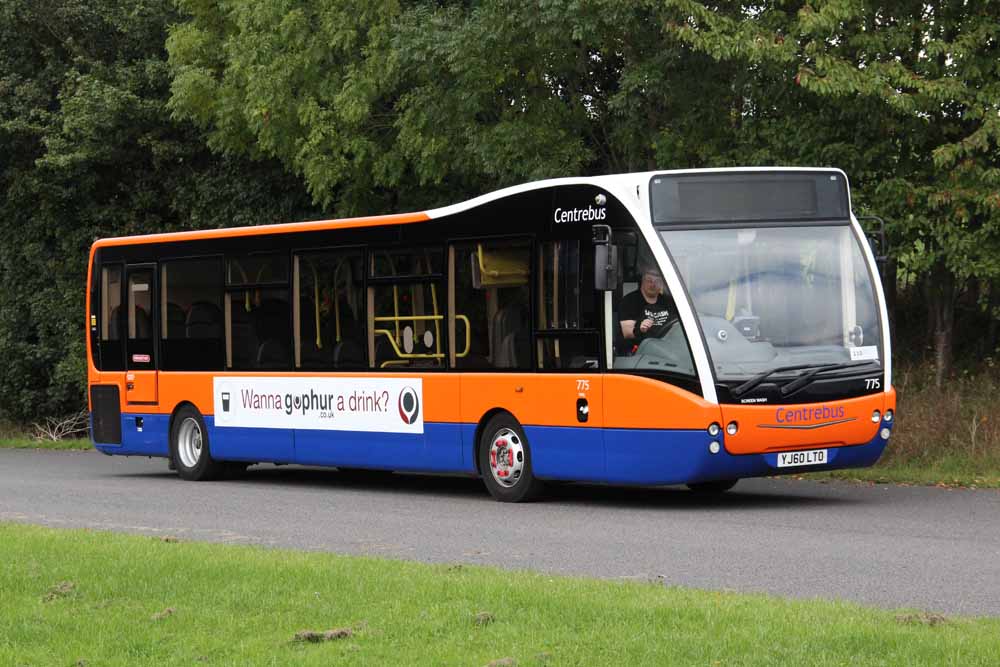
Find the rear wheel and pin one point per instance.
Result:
(712, 488)
(189, 449)
(505, 461)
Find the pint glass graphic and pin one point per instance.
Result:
(225, 401)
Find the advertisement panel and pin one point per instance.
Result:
(384, 405)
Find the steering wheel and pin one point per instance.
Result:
(660, 330)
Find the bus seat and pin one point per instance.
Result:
(383, 350)
(176, 321)
(143, 325)
(506, 322)
(348, 354)
(204, 320)
(244, 339)
(514, 351)
(271, 353)
(117, 325)
(270, 319)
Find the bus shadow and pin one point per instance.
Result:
(748, 494)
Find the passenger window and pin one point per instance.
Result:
(408, 305)
(258, 312)
(393, 263)
(330, 310)
(112, 320)
(492, 325)
(259, 329)
(257, 269)
(192, 330)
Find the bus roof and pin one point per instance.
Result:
(622, 184)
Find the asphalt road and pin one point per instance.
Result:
(887, 546)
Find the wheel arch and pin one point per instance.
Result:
(173, 417)
(483, 421)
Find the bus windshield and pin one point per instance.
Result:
(768, 298)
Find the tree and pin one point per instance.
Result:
(403, 105)
(88, 149)
(926, 78)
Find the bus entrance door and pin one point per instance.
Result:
(140, 338)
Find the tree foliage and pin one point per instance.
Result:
(88, 149)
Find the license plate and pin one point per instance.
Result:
(811, 458)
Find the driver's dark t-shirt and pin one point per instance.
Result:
(635, 307)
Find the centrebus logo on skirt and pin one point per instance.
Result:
(385, 405)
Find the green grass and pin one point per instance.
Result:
(947, 471)
(21, 442)
(83, 597)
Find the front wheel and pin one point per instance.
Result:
(712, 488)
(505, 461)
(189, 449)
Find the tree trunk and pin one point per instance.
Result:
(942, 305)
(891, 293)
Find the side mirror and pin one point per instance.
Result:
(605, 260)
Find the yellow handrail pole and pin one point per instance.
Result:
(319, 339)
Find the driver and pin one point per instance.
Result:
(647, 310)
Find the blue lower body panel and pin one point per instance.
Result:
(439, 449)
(680, 457)
(616, 456)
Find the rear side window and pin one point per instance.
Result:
(111, 322)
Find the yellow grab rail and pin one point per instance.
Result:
(425, 318)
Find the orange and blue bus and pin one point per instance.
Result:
(684, 327)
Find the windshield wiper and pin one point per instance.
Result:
(806, 378)
(753, 382)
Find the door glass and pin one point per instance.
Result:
(139, 323)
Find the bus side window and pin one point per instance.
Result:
(408, 309)
(112, 319)
(329, 310)
(192, 331)
(492, 323)
(258, 325)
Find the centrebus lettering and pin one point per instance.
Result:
(810, 414)
(579, 214)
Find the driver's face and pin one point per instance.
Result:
(652, 284)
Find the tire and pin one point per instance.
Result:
(716, 488)
(505, 461)
(189, 448)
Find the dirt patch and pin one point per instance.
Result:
(316, 636)
(160, 615)
(170, 539)
(60, 590)
(483, 618)
(922, 618)
(502, 662)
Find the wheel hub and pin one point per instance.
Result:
(506, 457)
(189, 442)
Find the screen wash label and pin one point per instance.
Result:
(385, 405)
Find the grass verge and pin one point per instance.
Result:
(943, 437)
(29, 443)
(83, 597)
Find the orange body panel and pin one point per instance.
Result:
(638, 402)
(533, 398)
(771, 428)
